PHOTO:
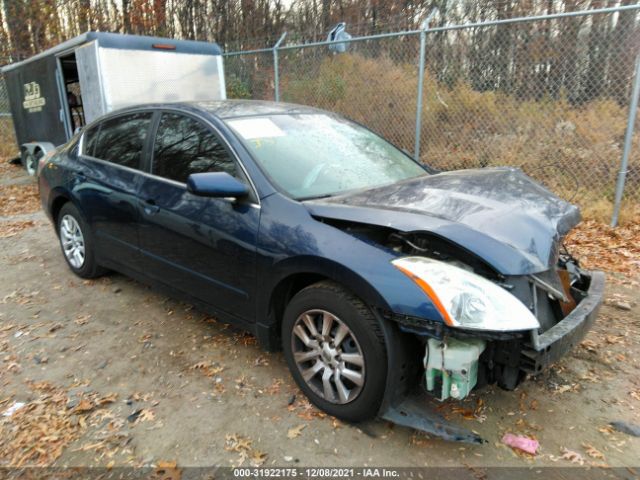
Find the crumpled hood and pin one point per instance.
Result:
(499, 214)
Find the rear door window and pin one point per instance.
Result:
(184, 146)
(121, 139)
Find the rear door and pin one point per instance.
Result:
(109, 177)
(205, 247)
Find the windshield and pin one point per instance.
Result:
(317, 155)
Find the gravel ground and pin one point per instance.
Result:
(113, 373)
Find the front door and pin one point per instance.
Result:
(205, 247)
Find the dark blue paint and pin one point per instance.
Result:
(498, 214)
(216, 184)
(232, 255)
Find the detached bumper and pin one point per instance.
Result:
(544, 349)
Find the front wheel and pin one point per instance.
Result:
(336, 351)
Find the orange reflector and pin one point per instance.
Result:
(164, 46)
(430, 293)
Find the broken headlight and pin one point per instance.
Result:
(467, 300)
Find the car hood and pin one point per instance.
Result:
(498, 214)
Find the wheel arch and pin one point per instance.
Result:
(57, 199)
(291, 277)
(56, 205)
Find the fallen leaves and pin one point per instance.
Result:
(7, 168)
(572, 456)
(257, 458)
(20, 297)
(465, 411)
(90, 401)
(592, 451)
(12, 228)
(19, 199)
(598, 246)
(37, 433)
(275, 387)
(207, 368)
(243, 446)
(167, 470)
(305, 409)
(295, 431)
(84, 406)
(146, 415)
(141, 415)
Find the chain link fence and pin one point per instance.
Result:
(8, 147)
(548, 94)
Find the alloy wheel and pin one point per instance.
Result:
(31, 164)
(72, 241)
(328, 356)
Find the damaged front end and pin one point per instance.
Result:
(564, 300)
(501, 299)
(545, 314)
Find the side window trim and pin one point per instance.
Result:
(147, 151)
(83, 143)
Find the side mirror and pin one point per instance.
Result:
(216, 185)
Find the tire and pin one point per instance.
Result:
(334, 351)
(69, 223)
(30, 163)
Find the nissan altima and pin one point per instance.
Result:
(380, 279)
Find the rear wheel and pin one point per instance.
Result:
(76, 243)
(336, 351)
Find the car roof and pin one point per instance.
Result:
(223, 109)
(246, 108)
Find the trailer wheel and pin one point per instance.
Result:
(30, 162)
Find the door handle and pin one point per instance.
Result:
(149, 206)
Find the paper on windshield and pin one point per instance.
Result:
(250, 128)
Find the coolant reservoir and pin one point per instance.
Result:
(453, 365)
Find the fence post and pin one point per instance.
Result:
(424, 26)
(624, 163)
(276, 78)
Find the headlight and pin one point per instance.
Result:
(465, 299)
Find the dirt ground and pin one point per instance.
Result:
(113, 373)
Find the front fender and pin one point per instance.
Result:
(330, 269)
(292, 242)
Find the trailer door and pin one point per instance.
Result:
(93, 100)
(35, 102)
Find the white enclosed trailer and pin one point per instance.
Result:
(61, 89)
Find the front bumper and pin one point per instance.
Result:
(548, 347)
(408, 406)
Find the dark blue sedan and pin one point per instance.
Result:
(378, 277)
